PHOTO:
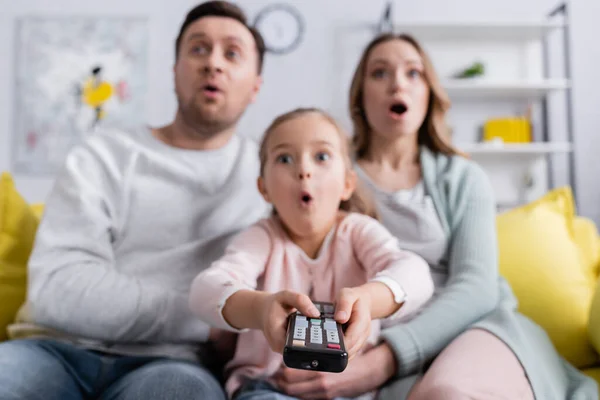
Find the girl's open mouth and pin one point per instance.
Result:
(305, 198)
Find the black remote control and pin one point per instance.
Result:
(315, 343)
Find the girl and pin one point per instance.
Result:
(314, 246)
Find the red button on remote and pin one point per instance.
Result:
(333, 346)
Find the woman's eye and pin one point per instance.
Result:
(322, 156)
(379, 73)
(414, 73)
(284, 159)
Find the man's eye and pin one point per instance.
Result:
(233, 54)
(199, 49)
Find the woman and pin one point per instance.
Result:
(468, 342)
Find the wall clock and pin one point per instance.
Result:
(281, 26)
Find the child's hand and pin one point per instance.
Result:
(353, 306)
(274, 313)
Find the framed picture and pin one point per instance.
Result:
(74, 75)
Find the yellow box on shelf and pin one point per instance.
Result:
(509, 130)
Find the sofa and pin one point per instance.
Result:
(549, 255)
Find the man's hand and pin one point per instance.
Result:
(275, 310)
(353, 306)
(366, 372)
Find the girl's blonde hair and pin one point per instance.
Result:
(434, 133)
(360, 201)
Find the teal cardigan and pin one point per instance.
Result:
(475, 295)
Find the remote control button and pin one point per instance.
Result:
(319, 306)
(316, 335)
(332, 337)
(334, 346)
(329, 325)
(298, 343)
(301, 322)
(328, 308)
(300, 333)
(316, 339)
(315, 321)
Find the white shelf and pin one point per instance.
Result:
(482, 88)
(535, 148)
(478, 31)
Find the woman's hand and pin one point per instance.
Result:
(275, 310)
(353, 306)
(366, 372)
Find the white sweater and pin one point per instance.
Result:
(129, 223)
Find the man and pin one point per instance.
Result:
(132, 219)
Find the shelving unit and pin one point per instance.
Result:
(485, 31)
(528, 149)
(461, 89)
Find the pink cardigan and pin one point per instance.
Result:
(357, 250)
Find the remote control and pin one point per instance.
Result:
(315, 343)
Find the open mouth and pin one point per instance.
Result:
(306, 198)
(398, 108)
(211, 88)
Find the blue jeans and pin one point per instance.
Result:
(261, 390)
(50, 370)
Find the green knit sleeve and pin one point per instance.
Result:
(471, 290)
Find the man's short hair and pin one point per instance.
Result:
(219, 8)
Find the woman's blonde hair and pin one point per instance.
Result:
(360, 201)
(434, 133)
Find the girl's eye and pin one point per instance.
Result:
(322, 156)
(284, 159)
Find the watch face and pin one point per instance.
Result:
(281, 26)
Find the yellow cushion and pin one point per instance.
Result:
(594, 323)
(38, 210)
(18, 225)
(588, 240)
(551, 275)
